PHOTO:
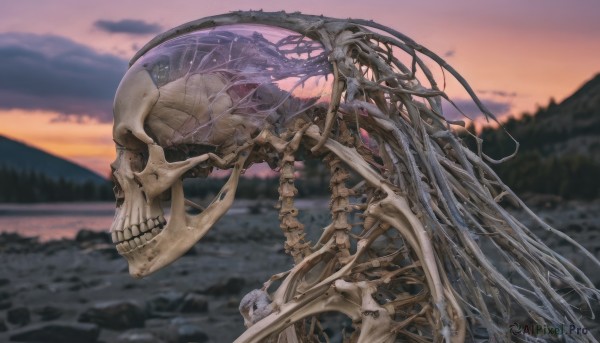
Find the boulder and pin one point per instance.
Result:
(57, 332)
(191, 333)
(5, 302)
(194, 303)
(137, 336)
(169, 301)
(231, 286)
(115, 315)
(19, 316)
(48, 313)
(88, 237)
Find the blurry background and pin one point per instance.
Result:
(534, 64)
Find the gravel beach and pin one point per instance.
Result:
(80, 291)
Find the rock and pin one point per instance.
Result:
(5, 302)
(169, 301)
(89, 236)
(108, 250)
(115, 315)
(548, 201)
(232, 286)
(48, 313)
(19, 316)
(16, 244)
(57, 332)
(3, 327)
(152, 334)
(193, 303)
(137, 336)
(191, 333)
(53, 247)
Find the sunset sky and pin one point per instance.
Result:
(61, 61)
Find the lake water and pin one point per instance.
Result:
(55, 221)
(63, 220)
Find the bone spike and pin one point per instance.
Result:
(127, 234)
(143, 226)
(138, 241)
(135, 231)
(120, 236)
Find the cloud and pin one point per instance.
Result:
(129, 26)
(470, 109)
(47, 72)
(500, 93)
(449, 53)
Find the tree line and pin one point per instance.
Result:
(18, 186)
(537, 168)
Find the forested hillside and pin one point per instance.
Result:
(559, 147)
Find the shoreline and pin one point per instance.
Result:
(80, 285)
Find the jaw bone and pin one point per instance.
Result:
(182, 231)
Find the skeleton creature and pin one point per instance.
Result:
(247, 87)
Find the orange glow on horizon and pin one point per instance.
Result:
(88, 144)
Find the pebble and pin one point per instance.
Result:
(115, 315)
(19, 316)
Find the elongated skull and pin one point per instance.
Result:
(193, 103)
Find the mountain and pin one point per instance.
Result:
(23, 158)
(559, 146)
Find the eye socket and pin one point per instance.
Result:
(182, 152)
(138, 160)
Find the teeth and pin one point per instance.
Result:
(138, 234)
(135, 231)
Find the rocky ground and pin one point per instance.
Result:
(79, 290)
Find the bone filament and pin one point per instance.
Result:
(416, 271)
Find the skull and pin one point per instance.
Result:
(186, 106)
